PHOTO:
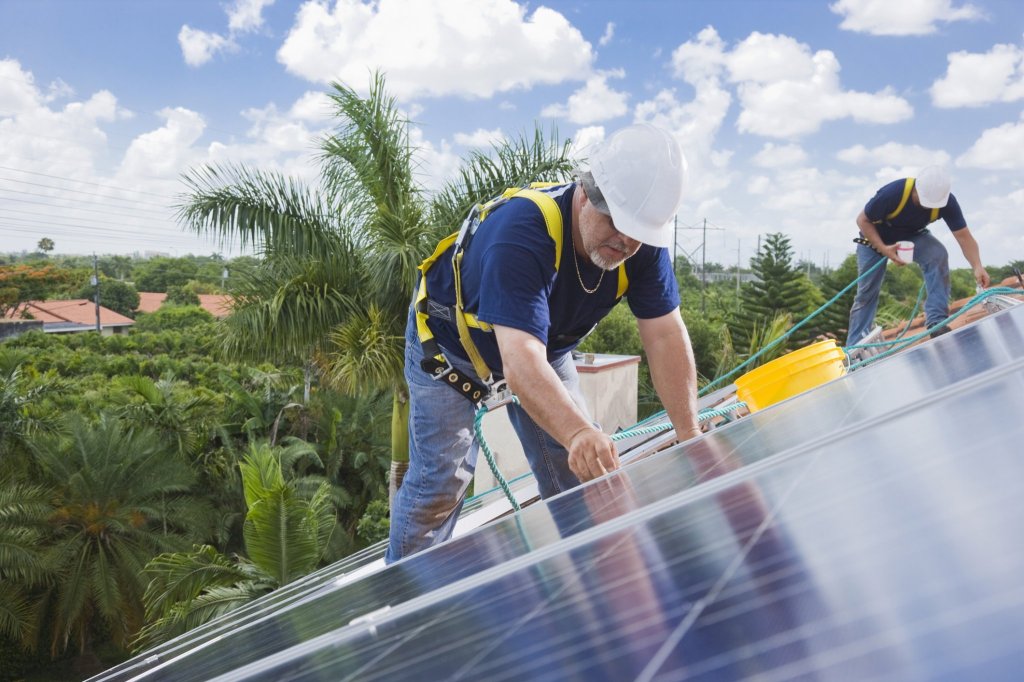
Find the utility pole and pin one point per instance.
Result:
(737, 269)
(703, 259)
(96, 284)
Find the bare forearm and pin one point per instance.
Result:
(673, 370)
(591, 453)
(542, 394)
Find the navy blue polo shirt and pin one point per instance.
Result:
(509, 278)
(912, 219)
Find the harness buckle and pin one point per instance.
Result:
(500, 394)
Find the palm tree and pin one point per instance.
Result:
(23, 513)
(339, 262)
(179, 415)
(286, 534)
(119, 498)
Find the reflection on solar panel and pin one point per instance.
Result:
(867, 529)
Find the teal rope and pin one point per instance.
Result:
(913, 313)
(789, 333)
(975, 300)
(478, 429)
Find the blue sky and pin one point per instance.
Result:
(791, 113)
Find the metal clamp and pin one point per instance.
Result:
(499, 395)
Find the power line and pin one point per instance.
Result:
(83, 182)
(73, 207)
(80, 191)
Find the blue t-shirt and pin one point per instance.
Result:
(912, 219)
(509, 278)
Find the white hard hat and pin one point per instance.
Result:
(640, 172)
(933, 186)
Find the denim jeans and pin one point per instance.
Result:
(931, 255)
(443, 452)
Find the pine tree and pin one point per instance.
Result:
(780, 289)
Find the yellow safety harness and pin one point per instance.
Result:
(434, 362)
(908, 187)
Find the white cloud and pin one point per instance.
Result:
(166, 150)
(480, 138)
(901, 17)
(244, 16)
(893, 154)
(472, 48)
(609, 33)
(18, 92)
(313, 106)
(779, 155)
(974, 79)
(198, 47)
(1000, 148)
(584, 139)
(784, 89)
(592, 103)
(247, 15)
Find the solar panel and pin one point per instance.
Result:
(865, 530)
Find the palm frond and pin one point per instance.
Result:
(267, 211)
(512, 163)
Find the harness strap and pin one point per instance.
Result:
(435, 362)
(908, 187)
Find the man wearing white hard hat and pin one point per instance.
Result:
(902, 211)
(510, 296)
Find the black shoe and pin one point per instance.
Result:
(940, 331)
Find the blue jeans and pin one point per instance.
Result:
(443, 452)
(931, 255)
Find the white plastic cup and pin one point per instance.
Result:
(905, 250)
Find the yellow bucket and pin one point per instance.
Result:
(791, 375)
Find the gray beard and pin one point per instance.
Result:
(600, 261)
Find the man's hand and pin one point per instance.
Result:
(890, 251)
(592, 454)
(981, 276)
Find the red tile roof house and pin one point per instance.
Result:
(75, 315)
(218, 305)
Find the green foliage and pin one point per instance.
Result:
(116, 295)
(286, 533)
(616, 333)
(182, 295)
(168, 317)
(779, 289)
(375, 523)
(119, 497)
(161, 273)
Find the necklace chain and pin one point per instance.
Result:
(579, 276)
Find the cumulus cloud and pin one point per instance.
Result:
(784, 89)
(779, 155)
(584, 140)
(166, 150)
(609, 33)
(312, 106)
(594, 102)
(1000, 148)
(57, 140)
(973, 79)
(244, 16)
(480, 138)
(199, 47)
(901, 18)
(893, 154)
(470, 48)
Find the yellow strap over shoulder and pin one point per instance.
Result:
(553, 222)
(908, 187)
